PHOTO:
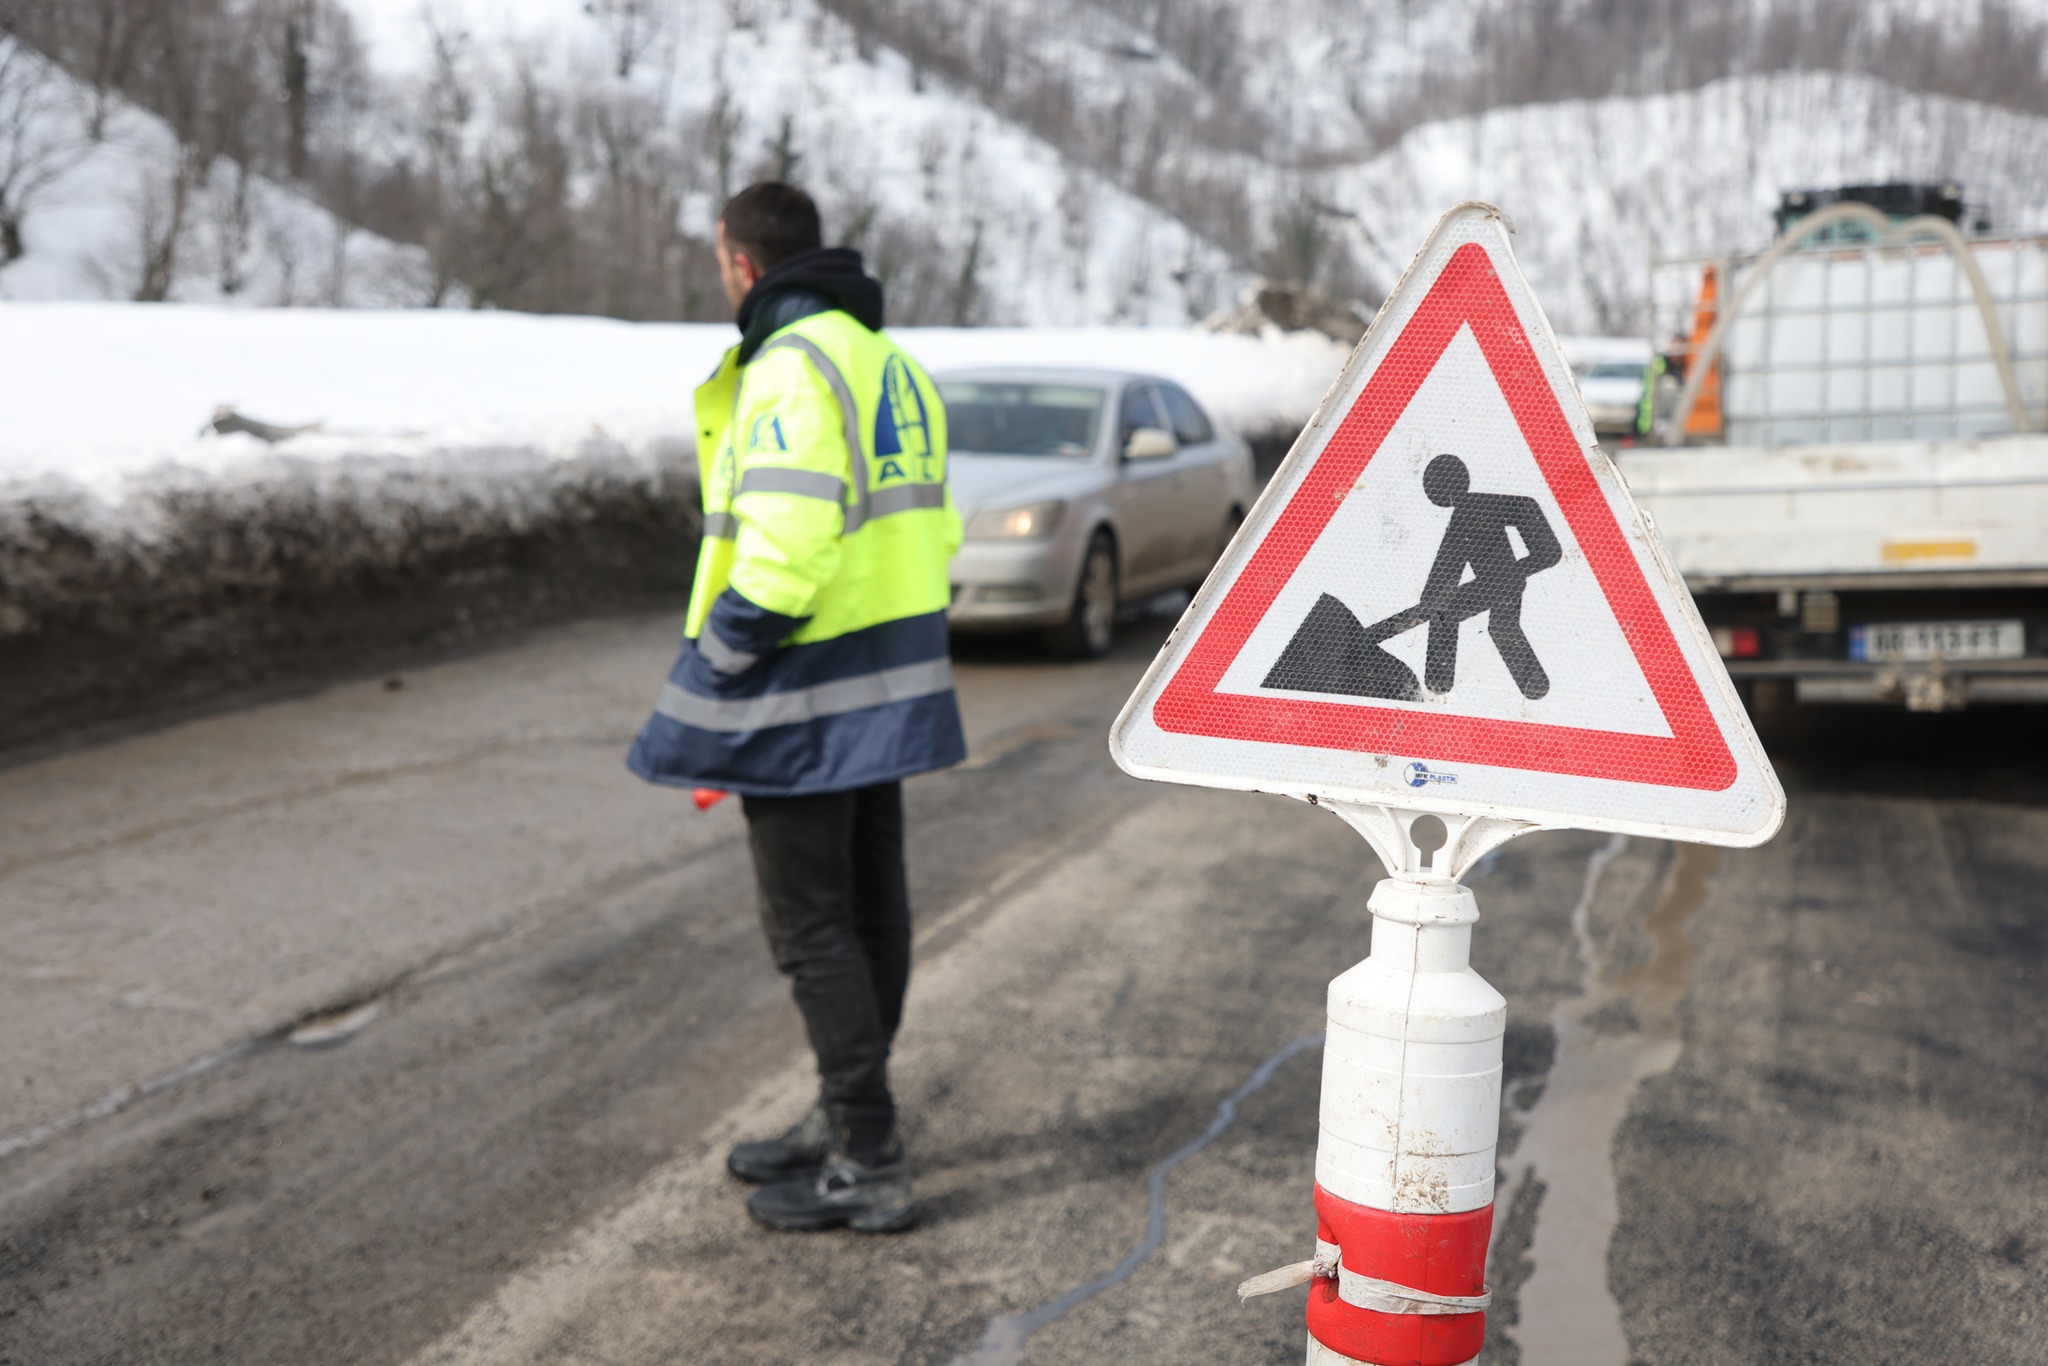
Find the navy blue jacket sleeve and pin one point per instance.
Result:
(745, 628)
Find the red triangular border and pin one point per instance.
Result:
(1467, 292)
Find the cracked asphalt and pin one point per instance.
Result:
(1784, 1104)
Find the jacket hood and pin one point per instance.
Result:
(833, 274)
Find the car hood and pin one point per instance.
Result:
(981, 481)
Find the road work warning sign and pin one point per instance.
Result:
(1447, 601)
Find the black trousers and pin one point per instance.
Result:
(836, 906)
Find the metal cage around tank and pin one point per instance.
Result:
(1915, 333)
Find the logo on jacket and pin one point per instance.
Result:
(766, 434)
(903, 438)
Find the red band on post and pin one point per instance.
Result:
(1444, 1254)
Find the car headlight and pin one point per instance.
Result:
(1033, 521)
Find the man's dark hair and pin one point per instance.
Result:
(771, 222)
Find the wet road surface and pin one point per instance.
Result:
(1785, 1104)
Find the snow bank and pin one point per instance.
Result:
(434, 428)
(472, 471)
(121, 390)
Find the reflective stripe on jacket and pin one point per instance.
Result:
(816, 650)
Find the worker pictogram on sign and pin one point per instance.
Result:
(1478, 570)
(1448, 577)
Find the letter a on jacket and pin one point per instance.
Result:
(815, 657)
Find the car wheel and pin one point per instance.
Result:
(1090, 627)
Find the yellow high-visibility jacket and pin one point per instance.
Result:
(815, 657)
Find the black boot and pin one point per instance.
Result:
(867, 1197)
(798, 1152)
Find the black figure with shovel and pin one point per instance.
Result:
(1332, 653)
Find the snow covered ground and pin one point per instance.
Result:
(123, 391)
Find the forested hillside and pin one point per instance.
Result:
(1038, 161)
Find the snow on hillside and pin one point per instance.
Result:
(1319, 76)
(1249, 120)
(894, 158)
(1280, 102)
(1598, 189)
(248, 243)
(969, 214)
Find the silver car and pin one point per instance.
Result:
(1081, 489)
(1613, 390)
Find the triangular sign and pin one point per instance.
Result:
(1447, 601)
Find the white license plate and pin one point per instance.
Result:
(1910, 640)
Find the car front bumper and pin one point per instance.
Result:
(1011, 585)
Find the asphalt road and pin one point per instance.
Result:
(1775, 1105)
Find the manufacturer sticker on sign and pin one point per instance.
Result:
(1446, 600)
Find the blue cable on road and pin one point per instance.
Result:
(1002, 1342)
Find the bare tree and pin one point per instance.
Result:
(722, 130)
(161, 210)
(1077, 223)
(448, 105)
(636, 245)
(967, 290)
(230, 139)
(783, 156)
(229, 198)
(207, 87)
(105, 43)
(516, 223)
(40, 138)
(322, 53)
(311, 53)
(631, 28)
(282, 244)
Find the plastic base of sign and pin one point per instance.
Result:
(1430, 1251)
(1319, 1355)
(1410, 1111)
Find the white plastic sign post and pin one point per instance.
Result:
(1446, 621)
(1447, 602)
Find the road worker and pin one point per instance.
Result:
(814, 673)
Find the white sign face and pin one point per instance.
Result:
(1446, 600)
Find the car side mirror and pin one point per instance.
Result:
(1149, 443)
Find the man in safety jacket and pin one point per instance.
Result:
(814, 675)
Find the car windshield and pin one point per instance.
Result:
(1616, 369)
(990, 417)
